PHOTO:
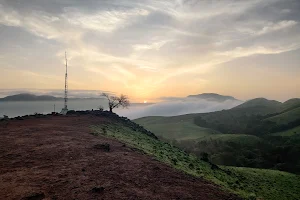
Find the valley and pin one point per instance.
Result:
(259, 133)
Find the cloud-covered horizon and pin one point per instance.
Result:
(149, 49)
(177, 107)
(55, 93)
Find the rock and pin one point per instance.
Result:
(98, 189)
(104, 147)
(34, 196)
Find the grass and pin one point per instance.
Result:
(290, 132)
(239, 138)
(246, 182)
(176, 128)
(181, 128)
(171, 119)
(149, 120)
(260, 102)
(286, 117)
(290, 104)
(268, 184)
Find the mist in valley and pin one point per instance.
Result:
(177, 107)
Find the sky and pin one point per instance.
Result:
(152, 49)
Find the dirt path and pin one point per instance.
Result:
(54, 158)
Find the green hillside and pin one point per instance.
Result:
(150, 120)
(171, 119)
(246, 182)
(255, 117)
(290, 104)
(239, 136)
(290, 132)
(175, 128)
(239, 120)
(286, 117)
(260, 102)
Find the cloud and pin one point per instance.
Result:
(177, 107)
(154, 45)
(189, 10)
(39, 23)
(270, 27)
(277, 26)
(284, 11)
(242, 52)
(9, 18)
(106, 21)
(141, 46)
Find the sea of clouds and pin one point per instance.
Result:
(169, 106)
(177, 107)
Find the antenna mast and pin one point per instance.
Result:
(65, 108)
(66, 83)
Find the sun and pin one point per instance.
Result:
(145, 101)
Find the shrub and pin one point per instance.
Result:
(101, 108)
(204, 156)
(174, 161)
(252, 196)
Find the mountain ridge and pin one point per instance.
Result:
(33, 97)
(213, 97)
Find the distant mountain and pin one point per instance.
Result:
(261, 102)
(213, 97)
(29, 97)
(290, 104)
(259, 106)
(32, 97)
(270, 105)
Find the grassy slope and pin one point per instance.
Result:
(183, 128)
(246, 182)
(290, 104)
(270, 184)
(289, 132)
(179, 128)
(149, 120)
(241, 138)
(260, 102)
(286, 117)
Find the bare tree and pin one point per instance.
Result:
(115, 102)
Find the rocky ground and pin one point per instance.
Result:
(56, 157)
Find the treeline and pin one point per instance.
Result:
(252, 125)
(270, 152)
(276, 152)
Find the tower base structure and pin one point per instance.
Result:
(64, 111)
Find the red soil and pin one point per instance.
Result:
(54, 158)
